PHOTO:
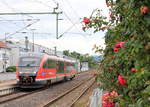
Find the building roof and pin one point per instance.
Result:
(3, 45)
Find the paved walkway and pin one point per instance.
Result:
(7, 76)
(7, 79)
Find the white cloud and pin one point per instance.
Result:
(81, 44)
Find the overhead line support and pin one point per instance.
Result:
(34, 13)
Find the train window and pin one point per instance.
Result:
(29, 61)
(45, 65)
(69, 67)
(60, 67)
(50, 64)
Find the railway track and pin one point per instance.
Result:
(18, 95)
(14, 89)
(83, 87)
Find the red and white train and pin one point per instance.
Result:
(36, 70)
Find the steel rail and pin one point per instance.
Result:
(77, 99)
(65, 93)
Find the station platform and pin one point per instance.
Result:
(8, 83)
(7, 79)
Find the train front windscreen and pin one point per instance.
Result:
(28, 65)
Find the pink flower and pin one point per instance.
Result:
(144, 9)
(116, 50)
(133, 70)
(119, 44)
(86, 20)
(106, 96)
(121, 80)
(108, 104)
(110, 68)
(114, 94)
(111, 15)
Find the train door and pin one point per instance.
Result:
(60, 71)
(49, 69)
(70, 70)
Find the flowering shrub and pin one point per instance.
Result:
(121, 80)
(127, 51)
(108, 99)
(86, 20)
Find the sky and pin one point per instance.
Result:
(44, 26)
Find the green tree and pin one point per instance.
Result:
(82, 58)
(66, 52)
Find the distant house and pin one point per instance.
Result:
(19, 47)
(84, 66)
(4, 56)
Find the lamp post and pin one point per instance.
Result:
(4, 57)
(32, 39)
(55, 50)
(26, 43)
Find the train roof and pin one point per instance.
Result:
(61, 59)
(31, 54)
(35, 54)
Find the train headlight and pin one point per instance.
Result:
(34, 72)
(20, 72)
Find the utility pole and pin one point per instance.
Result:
(55, 49)
(57, 14)
(26, 43)
(57, 26)
(33, 39)
(4, 57)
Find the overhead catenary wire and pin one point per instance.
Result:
(10, 35)
(68, 29)
(67, 1)
(74, 25)
(14, 10)
(18, 20)
(29, 13)
(42, 3)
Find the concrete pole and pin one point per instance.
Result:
(55, 49)
(33, 39)
(5, 54)
(26, 43)
(56, 26)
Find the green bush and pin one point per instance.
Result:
(11, 69)
(125, 67)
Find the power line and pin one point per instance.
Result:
(26, 13)
(14, 10)
(42, 3)
(67, 30)
(76, 33)
(72, 8)
(35, 33)
(74, 24)
(19, 20)
(54, 12)
(10, 35)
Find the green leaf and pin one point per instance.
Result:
(147, 90)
